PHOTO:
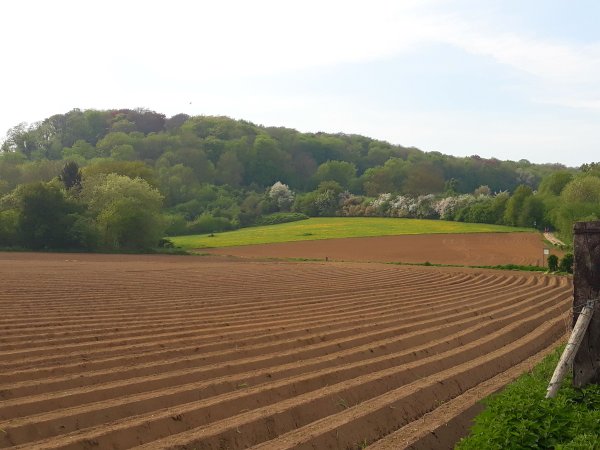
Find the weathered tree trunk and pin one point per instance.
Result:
(586, 284)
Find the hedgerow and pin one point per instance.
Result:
(280, 217)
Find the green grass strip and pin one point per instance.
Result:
(333, 228)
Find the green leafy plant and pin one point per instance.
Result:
(566, 263)
(552, 263)
(520, 417)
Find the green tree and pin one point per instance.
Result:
(71, 176)
(566, 263)
(112, 140)
(268, 163)
(552, 263)
(591, 168)
(11, 170)
(424, 178)
(124, 152)
(303, 168)
(9, 228)
(122, 125)
(583, 189)
(131, 169)
(532, 213)
(178, 183)
(127, 211)
(251, 209)
(328, 198)
(554, 183)
(45, 217)
(341, 172)
(229, 169)
(96, 126)
(80, 149)
(152, 146)
(579, 200)
(499, 203)
(42, 170)
(379, 153)
(389, 178)
(324, 201)
(479, 212)
(146, 121)
(451, 187)
(377, 180)
(514, 207)
(175, 122)
(195, 159)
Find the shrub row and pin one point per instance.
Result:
(280, 217)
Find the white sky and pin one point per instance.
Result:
(509, 79)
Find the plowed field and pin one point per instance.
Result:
(476, 249)
(102, 351)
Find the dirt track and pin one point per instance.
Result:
(475, 249)
(100, 351)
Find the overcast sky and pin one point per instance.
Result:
(510, 79)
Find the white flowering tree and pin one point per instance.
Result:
(447, 207)
(402, 206)
(282, 195)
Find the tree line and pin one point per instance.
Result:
(200, 174)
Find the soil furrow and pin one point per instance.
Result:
(210, 352)
(38, 358)
(373, 381)
(415, 324)
(77, 395)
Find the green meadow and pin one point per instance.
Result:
(333, 228)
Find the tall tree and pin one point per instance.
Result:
(268, 163)
(229, 169)
(514, 206)
(127, 211)
(45, 216)
(342, 172)
(71, 176)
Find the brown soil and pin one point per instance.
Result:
(117, 351)
(475, 249)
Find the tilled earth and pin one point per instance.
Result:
(114, 351)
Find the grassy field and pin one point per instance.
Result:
(331, 228)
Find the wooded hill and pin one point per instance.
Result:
(216, 173)
(222, 151)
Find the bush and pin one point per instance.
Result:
(520, 417)
(165, 243)
(306, 204)
(566, 263)
(176, 224)
(515, 267)
(552, 263)
(275, 218)
(206, 223)
(9, 228)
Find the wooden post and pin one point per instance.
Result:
(586, 287)
(571, 349)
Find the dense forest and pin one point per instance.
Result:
(122, 179)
